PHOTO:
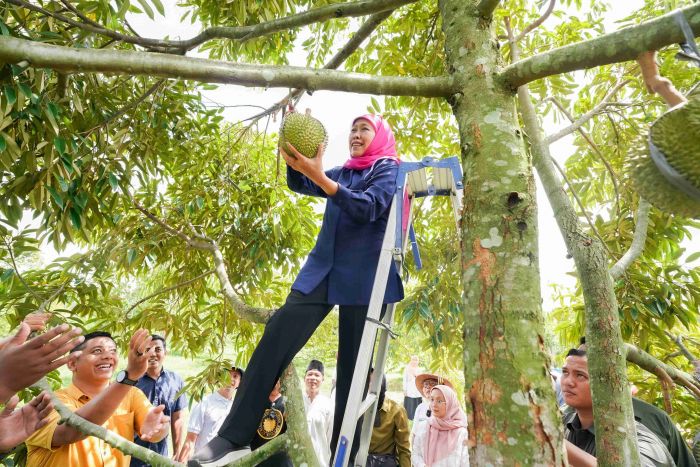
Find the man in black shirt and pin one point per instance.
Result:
(580, 432)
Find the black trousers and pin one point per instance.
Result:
(285, 334)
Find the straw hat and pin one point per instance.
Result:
(423, 376)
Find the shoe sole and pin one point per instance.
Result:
(226, 459)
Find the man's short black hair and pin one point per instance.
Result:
(156, 337)
(237, 369)
(576, 353)
(89, 336)
(315, 365)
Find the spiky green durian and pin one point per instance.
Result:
(303, 132)
(677, 135)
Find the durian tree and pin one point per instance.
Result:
(98, 120)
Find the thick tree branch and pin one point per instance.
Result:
(537, 23)
(612, 407)
(239, 33)
(579, 122)
(168, 289)
(114, 440)
(640, 236)
(652, 365)
(122, 62)
(487, 7)
(250, 313)
(619, 46)
(298, 444)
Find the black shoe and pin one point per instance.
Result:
(218, 452)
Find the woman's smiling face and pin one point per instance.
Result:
(361, 135)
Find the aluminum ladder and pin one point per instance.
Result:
(412, 182)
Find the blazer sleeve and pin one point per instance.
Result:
(369, 204)
(300, 183)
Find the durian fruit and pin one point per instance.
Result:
(303, 132)
(677, 135)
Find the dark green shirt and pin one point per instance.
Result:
(661, 424)
(652, 452)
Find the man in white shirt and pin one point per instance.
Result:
(319, 412)
(208, 415)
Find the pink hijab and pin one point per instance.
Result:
(443, 433)
(383, 146)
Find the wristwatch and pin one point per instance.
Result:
(123, 378)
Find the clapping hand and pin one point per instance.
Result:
(23, 362)
(17, 425)
(140, 350)
(155, 425)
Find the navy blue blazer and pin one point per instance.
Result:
(348, 245)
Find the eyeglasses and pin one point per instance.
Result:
(438, 401)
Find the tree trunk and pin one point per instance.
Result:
(512, 409)
(616, 443)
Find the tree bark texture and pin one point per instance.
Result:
(619, 46)
(131, 63)
(513, 418)
(612, 402)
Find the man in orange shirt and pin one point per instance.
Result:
(119, 407)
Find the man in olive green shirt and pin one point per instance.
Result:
(390, 433)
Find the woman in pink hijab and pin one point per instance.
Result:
(339, 271)
(442, 441)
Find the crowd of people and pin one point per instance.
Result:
(145, 402)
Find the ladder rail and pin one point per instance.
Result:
(447, 181)
(347, 430)
(375, 388)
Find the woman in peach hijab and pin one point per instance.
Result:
(442, 441)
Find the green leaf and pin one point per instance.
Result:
(52, 117)
(75, 218)
(7, 274)
(81, 200)
(113, 182)
(131, 255)
(62, 183)
(693, 257)
(200, 202)
(147, 8)
(26, 90)
(10, 94)
(56, 197)
(159, 6)
(123, 8)
(60, 145)
(3, 144)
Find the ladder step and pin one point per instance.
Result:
(366, 404)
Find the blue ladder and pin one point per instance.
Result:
(412, 182)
